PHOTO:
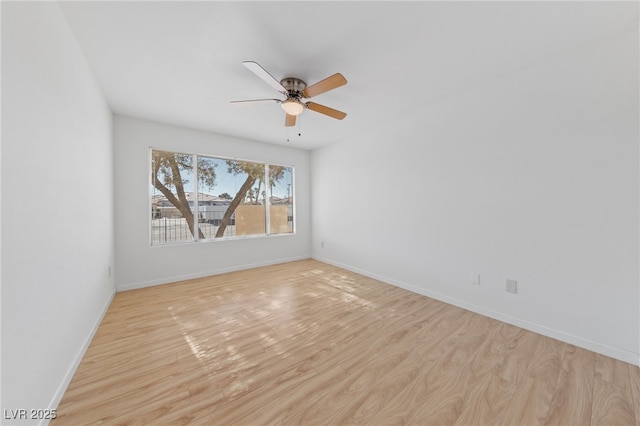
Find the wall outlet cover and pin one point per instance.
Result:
(475, 279)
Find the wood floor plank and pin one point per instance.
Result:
(532, 398)
(454, 342)
(274, 402)
(611, 405)
(453, 377)
(612, 371)
(519, 351)
(634, 377)
(383, 359)
(486, 402)
(487, 397)
(369, 406)
(310, 343)
(573, 393)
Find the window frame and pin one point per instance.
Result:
(196, 186)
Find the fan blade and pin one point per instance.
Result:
(263, 74)
(325, 85)
(256, 101)
(334, 113)
(290, 120)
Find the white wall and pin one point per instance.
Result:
(57, 205)
(141, 265)
(534, 177)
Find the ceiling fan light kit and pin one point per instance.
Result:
(292, 107)
(295, 91)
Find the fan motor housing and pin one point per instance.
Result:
(293, 84)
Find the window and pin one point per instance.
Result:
(198, 197)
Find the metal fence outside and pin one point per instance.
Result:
(169, 226)
(175, 229)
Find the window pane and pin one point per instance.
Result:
(211, 207)
(281, 212)
(250, 212)
(171, 197)
(239, 207)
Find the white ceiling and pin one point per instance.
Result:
(181, 62)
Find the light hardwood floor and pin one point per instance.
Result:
(309, 343)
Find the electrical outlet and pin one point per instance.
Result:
(512, 286)
(475, 279)
(321, 244)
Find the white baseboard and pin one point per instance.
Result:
(57, 396)
(172, 279)
(617, 353)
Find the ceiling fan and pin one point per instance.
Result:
(296, 91)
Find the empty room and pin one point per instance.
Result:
(340, 212)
